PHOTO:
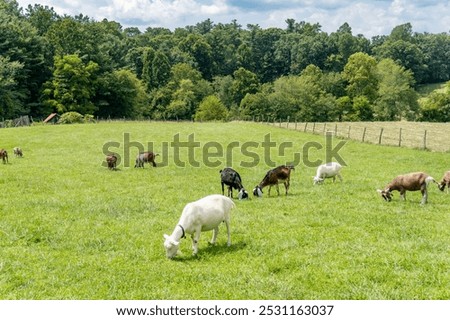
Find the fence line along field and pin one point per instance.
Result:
(70, 228)
(420, 135)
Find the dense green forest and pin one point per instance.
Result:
(52, 63)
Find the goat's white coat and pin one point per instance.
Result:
(202, 215)
(328, 170)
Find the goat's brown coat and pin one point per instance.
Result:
(274, 176)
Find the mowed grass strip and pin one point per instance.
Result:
(72, 229)
(418, 135)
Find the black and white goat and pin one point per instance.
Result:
(445, 182)
(274, 177)
(409, 182)
(18, 152)
(232, 179)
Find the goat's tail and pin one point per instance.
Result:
(431, 179)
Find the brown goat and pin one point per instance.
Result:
(409, 182)
(445, 182)
(274, 177)
(4, 155)
(111, 160)
(145, 157)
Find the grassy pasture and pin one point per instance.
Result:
(426, 89)
(71, 229)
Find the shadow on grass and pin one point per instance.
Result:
(211, 251)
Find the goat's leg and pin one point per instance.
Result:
(424, 195)
(268, 192)
(340, 177)
(227, 224)
(223, 188)
(195, 239)
(403, 195)
(278, 189)
(286, 186)
(229, 191)
(214, 236)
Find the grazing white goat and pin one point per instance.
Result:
(445, 181)
(202, 215)
(274, 177)
(328, 170)
(409, 182)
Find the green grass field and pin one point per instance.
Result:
(72, 229)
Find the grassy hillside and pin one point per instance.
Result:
(71, 229)
(426, 89)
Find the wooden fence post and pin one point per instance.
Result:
(348, 133)
(306, 125)
(425, 140)
(364, 134)
(381, 135)
(314, 127)
(400, 138)
(287, 125)
(335, 130)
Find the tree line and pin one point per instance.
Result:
(53, 63)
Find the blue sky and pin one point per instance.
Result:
(369, 18)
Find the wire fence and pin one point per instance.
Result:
(419, 135)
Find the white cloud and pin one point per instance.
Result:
(369, 18)
(218, 7)
(397, 7)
